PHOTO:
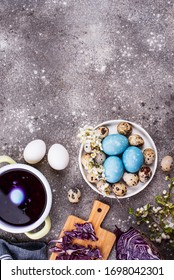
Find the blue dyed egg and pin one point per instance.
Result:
(133, 159)
(114, 169)
(115, 144)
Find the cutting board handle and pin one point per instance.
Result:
(98, 213)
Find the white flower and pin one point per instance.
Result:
(145, 207)
(158, 240)
(169, 225)
(155, 210)
(93, 155)
(144, 214)
(163, 236)
(89, 134)
(105, 188)
(164, 192)
(98, 171)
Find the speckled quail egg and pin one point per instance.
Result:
(130, 179)
(104, 187)
(124, 128)
(92, 178)
(144, 174)
(103, 131)
(167, 163)
(87, 147)
(149, 156)
(100, 157)
(74, 195)
(135, 140)
(85, 160)
(119, 189)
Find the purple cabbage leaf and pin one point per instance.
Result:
(83, 231)
(131, 245)
(69, 251)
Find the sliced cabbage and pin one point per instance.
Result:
(67, 250)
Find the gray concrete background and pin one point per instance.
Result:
(64, 64)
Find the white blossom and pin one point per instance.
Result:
(164, 192)
(158, 240)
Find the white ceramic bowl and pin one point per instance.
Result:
(148, 142)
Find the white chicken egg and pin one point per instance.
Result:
(34, 151)
(58, 157)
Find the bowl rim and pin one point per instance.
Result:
(139, 127)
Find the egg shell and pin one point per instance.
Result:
(103, 131)
(124, 128)
(74, 195)
(133, 159)
(144, 174)
(149, 156)
(104, 187)
(114, 144)
(113, 169)
(119, 189)
(87, 147)
(92, 178)
(167, 163)
(131, 179)
(34, 151)
(100, 158)
(136, 140)
(58, 157)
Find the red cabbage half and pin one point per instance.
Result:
(131, 245)
(69, 251)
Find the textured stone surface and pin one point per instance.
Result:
(64, 64)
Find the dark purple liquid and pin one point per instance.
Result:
(22, 197)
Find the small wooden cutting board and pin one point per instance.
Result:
(106, 238)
